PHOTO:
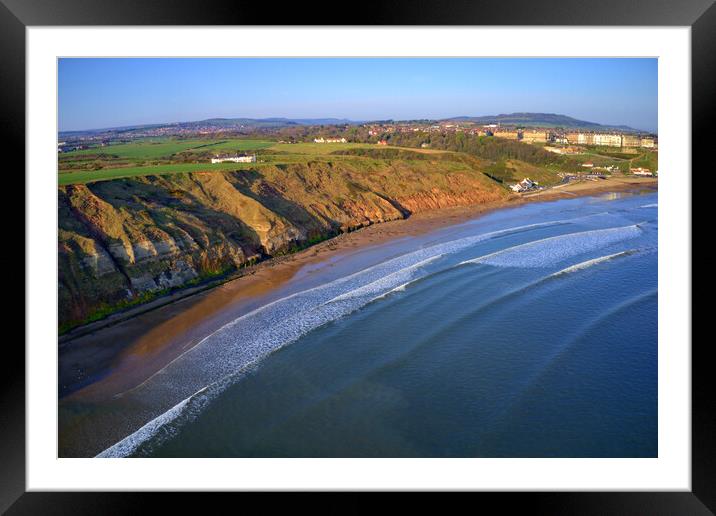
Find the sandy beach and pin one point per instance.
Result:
(111, 357)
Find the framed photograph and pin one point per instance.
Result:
(433, 250)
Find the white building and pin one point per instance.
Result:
(610, 140)
(640, 171)
(524, 185)
(235, 158)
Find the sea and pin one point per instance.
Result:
(528, 332)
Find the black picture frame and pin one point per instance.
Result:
(700, 15)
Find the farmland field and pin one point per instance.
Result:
(165, 148)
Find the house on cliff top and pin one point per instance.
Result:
(236, 158)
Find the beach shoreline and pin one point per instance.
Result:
(110, 357)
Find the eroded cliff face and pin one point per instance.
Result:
(125, 240)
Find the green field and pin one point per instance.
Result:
(165, 148)
(149, 157)
(648, 160)
(124, 166)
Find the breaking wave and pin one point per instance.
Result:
(388, 281)
(166, 425)
(552, 250)
(594, 261)
(129, 444)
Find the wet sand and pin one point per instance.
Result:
(114, 359)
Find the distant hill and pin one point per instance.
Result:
(224, 123)
(268, 122)
(539, 119)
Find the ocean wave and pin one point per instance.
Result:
(217, 359)
(572, 341)
(129, 445)
(166, 425)
(399, 288)
(430, 275)
(506, 296)
(594, 261)
(554, 359)
(388, 281)
(552, 250)
(655, 205)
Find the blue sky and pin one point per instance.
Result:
(111, 92)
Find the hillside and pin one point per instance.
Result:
(125, 241)
(226, 123)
